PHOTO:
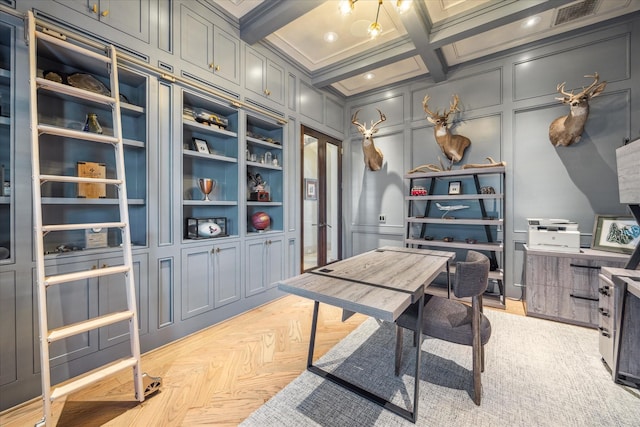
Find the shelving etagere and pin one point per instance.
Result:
(264, 152)
(476, 226)
(218, 162)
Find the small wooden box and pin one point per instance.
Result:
(92, 170)
(259, 196)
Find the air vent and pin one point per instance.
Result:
(575, 11)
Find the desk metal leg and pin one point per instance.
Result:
(411, 416)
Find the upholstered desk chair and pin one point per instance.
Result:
(454, 321)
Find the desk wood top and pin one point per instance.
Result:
(381, 283)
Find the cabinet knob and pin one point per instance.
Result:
(603, 311)
(604, 290)
(267, 92)
(94, 8)
(104, 266)
(215, 250)
(214, 67)
(105, 12)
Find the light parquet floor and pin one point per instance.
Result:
(217, 376)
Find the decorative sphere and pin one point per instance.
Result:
(260, 221)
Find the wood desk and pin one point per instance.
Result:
(381, 283)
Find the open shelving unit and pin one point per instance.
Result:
(478, 225)
(264, 157)
(218, 161)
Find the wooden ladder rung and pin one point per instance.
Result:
(70, 227)
(94, 376)
(88, 325)
(79, 179)
(87, 274)
(77, 134)
(74, 91)
(69, 46)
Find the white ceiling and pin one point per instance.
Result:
(428, 39)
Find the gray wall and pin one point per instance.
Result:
(507, 105)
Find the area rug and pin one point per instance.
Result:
(537, 373)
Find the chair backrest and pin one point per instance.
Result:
(471, 276)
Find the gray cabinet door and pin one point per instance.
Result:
(112, 297)
(254, 66)
(8, 342)
(226, 262)
(66, 304)
(255, 265)
(263, 76)
(274, 85)
(226, 58)
(274, 261)
(196, 39)
(264, 264)
(130, 17)
(197, 283)
(208, 47)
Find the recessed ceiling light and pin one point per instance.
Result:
(369, 76)
(330, 37)
(530, 22)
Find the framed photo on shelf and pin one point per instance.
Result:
(310, 189)
(615, 233)
(455, 187)
(200, 145)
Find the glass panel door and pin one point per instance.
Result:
(321, 199)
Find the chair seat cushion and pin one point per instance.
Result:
(447, 320)
(451, 320)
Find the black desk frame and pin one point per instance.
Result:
(411, 416)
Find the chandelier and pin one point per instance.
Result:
(375, 29)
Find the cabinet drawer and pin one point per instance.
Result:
(561, 303)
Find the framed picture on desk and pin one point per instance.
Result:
(614, 233)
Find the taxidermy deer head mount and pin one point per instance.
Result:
(452, 146)
(372, 155)
(568, 129)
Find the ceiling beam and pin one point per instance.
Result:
(418, 27)
(270, 16)
(377, 57)
(489, 18)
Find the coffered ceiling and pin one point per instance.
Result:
(427, 40)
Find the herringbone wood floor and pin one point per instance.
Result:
(217, 376)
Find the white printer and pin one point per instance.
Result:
(553, 234)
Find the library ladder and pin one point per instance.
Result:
(144, 385)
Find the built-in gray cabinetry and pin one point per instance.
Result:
(264, 263)
(214, 51)
(565, 286)
(263, 77)
(130, 17)
(211, 276)
(88, 298)
(6, 162)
